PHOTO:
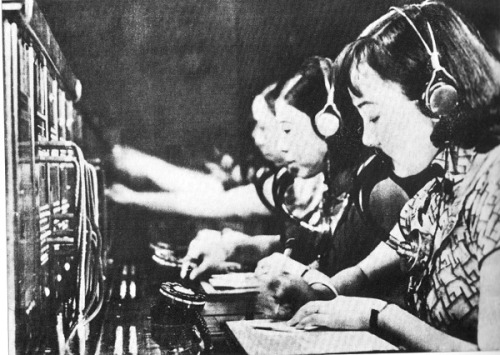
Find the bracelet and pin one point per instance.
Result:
(374, 317)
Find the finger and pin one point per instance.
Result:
(193, 256)
(313, 321)
(188, 262)
(198, 271)
(304, 311)
(187, 268)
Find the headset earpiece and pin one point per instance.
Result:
(327, 124)
(440, 96)
(327, 121)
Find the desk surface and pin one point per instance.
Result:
(264, 342)
(128, 317)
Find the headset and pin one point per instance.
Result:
(327, 121)
(440, 96)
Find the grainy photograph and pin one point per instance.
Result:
(250, 177)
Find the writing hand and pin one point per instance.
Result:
(282, 295)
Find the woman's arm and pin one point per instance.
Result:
(415, 334)
(214, 251)
(170, 177)
(166, 176)
(241, 201)
(354, 313)
(383, 260)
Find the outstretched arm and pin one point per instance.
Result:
(166, 176)
(241, 201)
(213, 251)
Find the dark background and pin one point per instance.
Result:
(176, 77)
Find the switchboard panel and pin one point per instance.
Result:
(56, 249)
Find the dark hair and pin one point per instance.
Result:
(308, 94)
(267, 97)
(391, 47)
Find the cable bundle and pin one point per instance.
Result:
(90, 286)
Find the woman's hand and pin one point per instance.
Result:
(282, 295)
(351, 313)
(284, 290)
(121, 194)
(278, 264)
(208, 253)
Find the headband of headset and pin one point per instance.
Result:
(327, 121)
(440, 96)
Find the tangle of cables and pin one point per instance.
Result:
(89, 281)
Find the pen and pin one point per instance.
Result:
(281, 327)
(276, 329)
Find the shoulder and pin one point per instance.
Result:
(492, 161)
(482, 180)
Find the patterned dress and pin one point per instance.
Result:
(445, 233)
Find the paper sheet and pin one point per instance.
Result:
(234, 281)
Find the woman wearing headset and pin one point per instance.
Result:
(448, 237)
(364, 196)
(310, 159)
(193, 193)
(196, 194)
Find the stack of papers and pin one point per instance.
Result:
(234, 281)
